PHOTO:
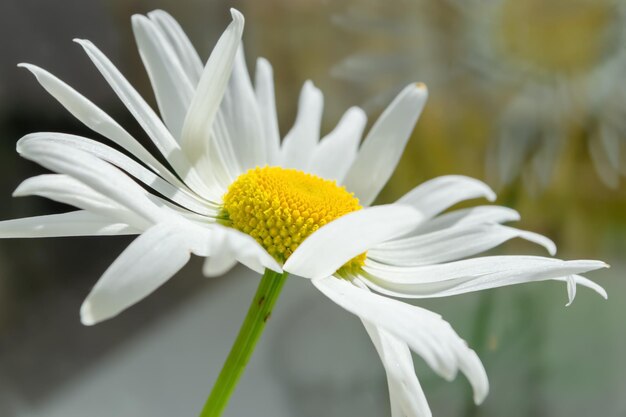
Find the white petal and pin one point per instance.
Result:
(178, 40)
(228, 246)
(299, 144)
(97, 120)
(470, 275)
(264, 89)
(436, 195)
(405, 392)
(148, 119)
(337, 150)
(580, 280)
(467, 217)
(334, 244)
(144, 114)
(210, 90)
(242, 119)
(75, 223)
(384, 144)
(172, 88)
(179, 195)
(451, 244)
(425, 332)
(146, 264)
(95, 173)
(571, 289)
(68, 190)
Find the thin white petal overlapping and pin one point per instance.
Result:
(300, 142)
(384, 144)
(138, 107)
(405, 392)
(266, 101)
(451, 244)
(337, 150)
(67, 190)
(96, 174)
(180, 43)
(469, 275)
(97, 120)
(426, 333)
(171, 85)
(179, 194)
(197, 134)
(74, 223)
(241, 119)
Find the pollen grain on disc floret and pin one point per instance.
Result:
(281, 207)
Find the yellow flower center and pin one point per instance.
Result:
(563, 36)
(281, 207)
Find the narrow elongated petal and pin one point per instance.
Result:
(148, 120)
(405, 392)
(98, 121)
(384, 144)
(172, 88)
(146, 264)
(299, 144)
(74, 223)
(337, 150)
(470, 275)
(241, 118)
(264, 89)
(197, 129)
(68, 190)
(426, 333)
(180, 43)
(146, 117)
(96, 174)
(467, 217)
(334, 244)
(451, 244)
(436, 195)
(181, 195)
(228, 246)
(573, 280)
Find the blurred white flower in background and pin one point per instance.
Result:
(557, 69)
(550, 73)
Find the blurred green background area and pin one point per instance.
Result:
(527, 96)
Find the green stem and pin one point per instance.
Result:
(250, 332)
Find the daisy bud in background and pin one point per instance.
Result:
(233, 190)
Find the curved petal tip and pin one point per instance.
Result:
(87, 317)
(236, 15)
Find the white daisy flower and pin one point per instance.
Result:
(558, 70)
(231, 191)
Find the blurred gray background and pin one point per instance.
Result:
(160, 358)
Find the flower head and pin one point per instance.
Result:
(234, 192)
